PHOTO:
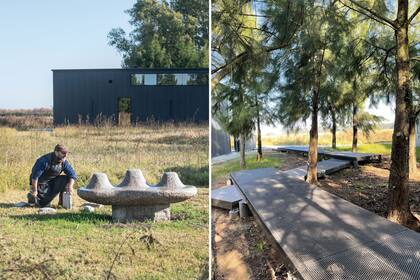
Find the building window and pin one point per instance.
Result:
(166, 79)
(181, 79)
(143, 79)
(197, 79)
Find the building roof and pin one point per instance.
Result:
(198, 69)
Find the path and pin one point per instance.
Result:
(324, 236)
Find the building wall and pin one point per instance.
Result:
(88, 93)
(220, 140)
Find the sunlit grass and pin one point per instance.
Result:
(76, 245)
(324, 139)
(383, 149)
(222, 170)
(111, 150)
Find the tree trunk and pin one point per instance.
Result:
(355, 124)
(313, 143)
(398, 193)
(259, 144)
(242, 151)
(412, 165)
(312, 174)
(334, 130)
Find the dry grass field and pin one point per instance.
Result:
(344, 138)
(76, 245)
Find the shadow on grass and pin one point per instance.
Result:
(198, 177)
(92, 218)
(8, 205)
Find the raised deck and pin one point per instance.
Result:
(358, 157)
(324, 236)
(324, 167)
(227, 197)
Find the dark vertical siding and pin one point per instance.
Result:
(88, 93)
(220, 140)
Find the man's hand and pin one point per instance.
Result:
(69, 186)
(34, 193)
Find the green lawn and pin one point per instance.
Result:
(75, 245)
(222, 170)
(376, 148)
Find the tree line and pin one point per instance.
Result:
(288, 62)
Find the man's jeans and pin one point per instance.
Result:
(47, 192)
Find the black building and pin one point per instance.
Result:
(84, 95)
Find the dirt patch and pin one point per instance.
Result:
(367, 186)
(291, 161)
(239, 251)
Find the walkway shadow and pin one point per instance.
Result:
(198, 177)
(91, 218)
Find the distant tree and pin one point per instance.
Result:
(165, 34)
(235, 97)
(306, 71)
(260, 82)
(332, 108)
(366, 122)
(233, 107)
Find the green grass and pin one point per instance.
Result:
(376, 148)
(222, 170)
(76, 245)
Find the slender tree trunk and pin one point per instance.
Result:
(313, 142)
(412, 165)
(242, 150)
(259, 144)
(334, 130)
(355, 124)
(398, 192)
(312, 174)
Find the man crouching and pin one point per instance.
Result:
(45, 180)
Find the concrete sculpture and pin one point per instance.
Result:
(133, 199)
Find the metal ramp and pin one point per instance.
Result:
(324, 167)
(324, 236)
(350, 156)
(227, 197)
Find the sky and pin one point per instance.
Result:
(37, 36)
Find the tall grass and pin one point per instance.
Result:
(84, 245)
(152, 148)
(324, 139)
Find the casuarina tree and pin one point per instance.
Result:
(398, 192)
(165, 34)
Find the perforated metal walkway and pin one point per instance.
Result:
(227, 197)
(359, 157)
(324, 236)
